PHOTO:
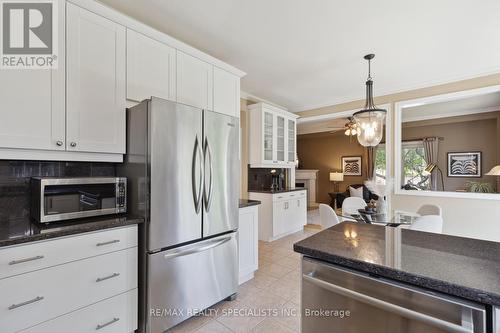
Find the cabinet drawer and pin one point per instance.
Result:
(26, 258)
(288, 195)
(38, 296)
(114, 315)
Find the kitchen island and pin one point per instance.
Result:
(399, 280)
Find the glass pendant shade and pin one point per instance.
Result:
(370, 127)
(370, 121)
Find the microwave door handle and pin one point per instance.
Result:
(197, 190)
(386, 306)
(207, 197)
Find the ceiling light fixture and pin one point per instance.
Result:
(370, 120)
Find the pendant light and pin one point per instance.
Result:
(370, 121)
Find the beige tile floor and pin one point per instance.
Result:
(267, 303)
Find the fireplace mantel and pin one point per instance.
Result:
(309, 179)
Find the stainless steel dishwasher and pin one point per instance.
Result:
(336, 299)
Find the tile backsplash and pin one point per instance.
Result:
(15, 181)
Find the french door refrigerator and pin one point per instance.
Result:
(182, 165)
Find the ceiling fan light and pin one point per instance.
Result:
(348, 132)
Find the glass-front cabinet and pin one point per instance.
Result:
(268, 137)
(280, 139)
(272, 132)
(291, 137)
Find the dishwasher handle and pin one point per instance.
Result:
(402, 311)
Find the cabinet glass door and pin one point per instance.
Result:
(291, 141)
(280, 141)
(268, 136)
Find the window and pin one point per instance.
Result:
(413, 166)
(380, 164)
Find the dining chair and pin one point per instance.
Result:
(428, 223)
(351, 205)
(429, 210)
(327, 216)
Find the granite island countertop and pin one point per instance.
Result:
(279, 191)
(19, 231)
(247, 203)
(458, 266)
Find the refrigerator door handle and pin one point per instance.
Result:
(198, 248)
(197, 152)
(207, 197)
(386, 306)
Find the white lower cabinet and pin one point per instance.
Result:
(248, 243)
(117, 314)
(57, 287)
(281, 213)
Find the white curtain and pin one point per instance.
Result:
(431, 152)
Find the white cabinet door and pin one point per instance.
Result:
(248, 242)
(268, 125)
(194, 81)
(279, 218)
(280, 139)
(291, 142)
(95, 83)
(32, 109)
(226, 93)
(150, 68)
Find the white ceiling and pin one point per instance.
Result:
(304, 54)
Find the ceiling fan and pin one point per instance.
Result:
(350, 128)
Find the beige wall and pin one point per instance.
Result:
(459, 136)
(323, 152)
(244, 147)
(463, 217)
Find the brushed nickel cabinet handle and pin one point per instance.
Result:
(114, 320)
(59, 143)
(20, 261)
(15, 306)
(107, 277)
(73, 144)
(108, 242)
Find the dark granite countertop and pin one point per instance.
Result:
(463, 267)
(20, 231)
(247, 203)
(279, 191)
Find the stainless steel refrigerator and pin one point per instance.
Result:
(182, 165)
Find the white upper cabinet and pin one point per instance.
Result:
(32, 114)
(194, 81)
(292, 142)
(32, 117)
(272, 136)
(150, 68)
(226, 92)
(95, 83)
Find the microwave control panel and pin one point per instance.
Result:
(121, 195)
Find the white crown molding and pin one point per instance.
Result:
(256, 99)
(451, 114)
(385, 92)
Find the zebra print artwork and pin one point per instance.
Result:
(351, 166)
(466, 164)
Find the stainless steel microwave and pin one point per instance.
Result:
(57, 199)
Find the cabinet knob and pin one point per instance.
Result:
(59, 143)
(73, 144)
